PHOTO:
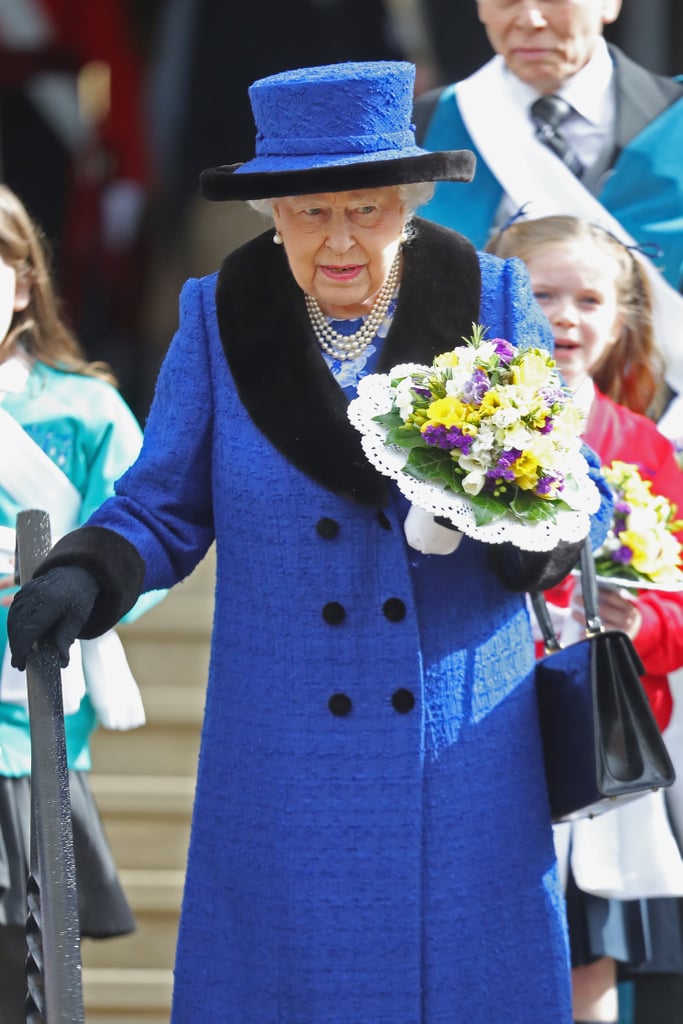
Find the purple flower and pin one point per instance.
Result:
(449, 438)
(553, 396)
(621, 508)
(503, 467)
(504, 350)
(476, 387)
(549, 484)
(548, 425)
(422, 392)
(622, 555)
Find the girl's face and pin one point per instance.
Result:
(340, 246)
(575, 284)
(14, 296)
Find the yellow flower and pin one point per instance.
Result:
(490, 403)
(647, 552)
(533, 370)
(525, 469)
(447, 412)
(447, 359)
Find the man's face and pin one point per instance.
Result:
(545, 42)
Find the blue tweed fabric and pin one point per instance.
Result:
(355, 858)
(335, 114)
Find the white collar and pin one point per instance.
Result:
(588, 91)
(584, 396)
(14, 373)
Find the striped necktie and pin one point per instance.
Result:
(548, 113)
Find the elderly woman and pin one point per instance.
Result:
(371, 841)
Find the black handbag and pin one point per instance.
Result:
(601, 743)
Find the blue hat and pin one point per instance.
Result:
(331, 129)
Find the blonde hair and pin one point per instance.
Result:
(39, 328)
(631, 372)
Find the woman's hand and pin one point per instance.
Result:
(52, 607)
(618, 609)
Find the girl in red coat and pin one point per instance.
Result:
(596, 298)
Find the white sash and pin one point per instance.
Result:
(102, 668)
(529, 173)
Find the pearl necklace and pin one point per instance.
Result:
(350, 346)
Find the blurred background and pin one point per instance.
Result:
(109, 111)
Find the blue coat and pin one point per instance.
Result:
(643, 189)
(371, 841)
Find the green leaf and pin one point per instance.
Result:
(606, 567)
(389, 419)
(532, 509)
(432, 465)
(486, 509)
(405, 437)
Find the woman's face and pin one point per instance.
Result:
(14, 296)
(575, 284)
(340, 245)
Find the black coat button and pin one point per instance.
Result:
(339, 704)
(327, 528)
(334, 613)
(403, 701)
(383, 520)
(394, 609)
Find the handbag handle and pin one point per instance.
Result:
(589, 586)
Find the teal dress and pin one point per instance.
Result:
(88, 431)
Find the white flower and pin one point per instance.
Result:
(473, 482)
(403, 397)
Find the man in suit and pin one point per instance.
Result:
(611, 152)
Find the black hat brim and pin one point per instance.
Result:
(222, 183)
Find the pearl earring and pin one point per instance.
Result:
(277, 238)
(403, 237)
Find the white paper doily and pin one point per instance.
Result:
(375, 398)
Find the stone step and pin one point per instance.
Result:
(163, 750)
(146, 818)
(155, 896)
(143, 796)
(172, 661)
(127, 995)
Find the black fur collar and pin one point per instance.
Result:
(279, 371)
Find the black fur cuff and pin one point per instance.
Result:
(114, 562)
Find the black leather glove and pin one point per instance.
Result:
(52, 607)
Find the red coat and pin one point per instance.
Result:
(614, 432)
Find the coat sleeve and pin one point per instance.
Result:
(159, 523)
(509, 310)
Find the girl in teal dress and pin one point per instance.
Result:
(65, 436)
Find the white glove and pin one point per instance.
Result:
(426, 535)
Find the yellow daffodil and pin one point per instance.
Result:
(533, 370)
(525, 469)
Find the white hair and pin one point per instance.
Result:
(413, 196)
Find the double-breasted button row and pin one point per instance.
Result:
(328, 528)
(340, 704)
(334, 613)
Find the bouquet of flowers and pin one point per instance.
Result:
(487, 437)
(641, 548)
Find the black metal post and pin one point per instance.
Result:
(53, 967)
